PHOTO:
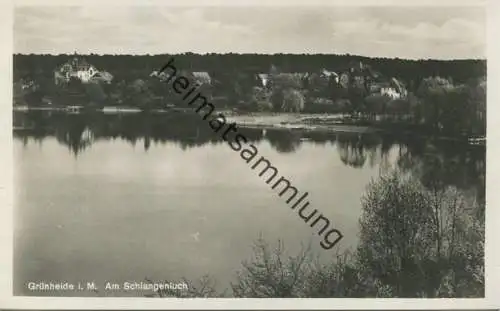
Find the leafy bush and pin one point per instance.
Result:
(452, 109)
(416, 241)
(269, 274)
(286, 80)
(432, 86)
(260, 99)
(398, 106)
(96, 93)
(376, 103)
(293, 101)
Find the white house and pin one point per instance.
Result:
(330, 75)
(76, 68)
(399, 86)
(202, 77)
(162, 76)
(28, 84)
(393, 89)
(344, 80)
(85, 73)
(391, 92)
(263, 79)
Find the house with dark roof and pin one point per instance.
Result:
(392, 88)
(102, 77)
(162, 76)
(329, 75)
(202, 77)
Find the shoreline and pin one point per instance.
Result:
(321, 122)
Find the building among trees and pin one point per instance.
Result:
(77, 68)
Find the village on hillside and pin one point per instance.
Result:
(324, 86)
(357, 92)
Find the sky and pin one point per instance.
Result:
(382, 31)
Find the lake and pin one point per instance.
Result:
(128, 197)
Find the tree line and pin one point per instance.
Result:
(132, 66)
(444, 97)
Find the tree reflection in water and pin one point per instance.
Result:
(284, 141)
(351, 150)
(437, 163)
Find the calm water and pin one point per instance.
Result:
(114, 198)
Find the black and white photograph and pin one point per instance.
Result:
(257, 151)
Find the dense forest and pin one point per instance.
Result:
(129, 67)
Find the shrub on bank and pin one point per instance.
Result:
(323, 105)
(453, 109)
(414, 242)
(376, 103)
(420, 242)
(293, 101)
(260, 99)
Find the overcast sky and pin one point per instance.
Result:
(405, 32)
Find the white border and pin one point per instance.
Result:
(257, 2)
(492, 258)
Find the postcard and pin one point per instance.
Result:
(188, 155)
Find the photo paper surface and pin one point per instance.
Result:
(249, 151)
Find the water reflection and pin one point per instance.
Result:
(284, 141)
(439, 163)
